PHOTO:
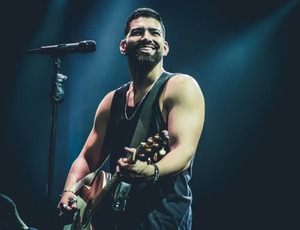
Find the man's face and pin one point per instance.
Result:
(145, 43)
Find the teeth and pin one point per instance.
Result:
(145, 48)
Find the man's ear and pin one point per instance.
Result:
(123, 47)
(166, 48)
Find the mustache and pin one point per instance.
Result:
(144, 43)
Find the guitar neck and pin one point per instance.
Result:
(113, 182)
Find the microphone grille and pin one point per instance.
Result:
(87, 46)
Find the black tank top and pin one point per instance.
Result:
(121, 130)
(163, 205)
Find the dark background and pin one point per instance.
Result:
(244, 55)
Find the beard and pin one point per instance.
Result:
(143, 60)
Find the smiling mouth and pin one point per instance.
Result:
(146, 48)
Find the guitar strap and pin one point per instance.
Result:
(140, 133)
(147, 111)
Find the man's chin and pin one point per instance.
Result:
(146, 60)
(146, 57)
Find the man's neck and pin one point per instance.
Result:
(142, 80)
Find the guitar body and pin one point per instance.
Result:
(76, 223)
(82, 218)
(97, 189)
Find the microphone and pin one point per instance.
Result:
(63, 49)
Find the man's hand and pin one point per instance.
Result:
(136, 170)
(67, 203)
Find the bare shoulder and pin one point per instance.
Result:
(105, 104)
(183, 86)
(108, 97)
(182, 78)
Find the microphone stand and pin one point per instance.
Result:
(56, 97)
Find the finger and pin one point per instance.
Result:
(72, 200)
(122, 161)
(63, 207)
(129, 150)
(73, 206)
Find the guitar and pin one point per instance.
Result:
(94, 189)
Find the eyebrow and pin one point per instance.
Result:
(151, 29)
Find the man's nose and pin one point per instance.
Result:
(146, 35)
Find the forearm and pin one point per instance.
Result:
(78, 170)
(176, 161)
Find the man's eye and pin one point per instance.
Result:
(136, 33)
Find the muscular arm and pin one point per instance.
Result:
(92, 154)
(184, 104)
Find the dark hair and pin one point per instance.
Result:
(146, 13)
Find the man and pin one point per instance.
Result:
(179, 108)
